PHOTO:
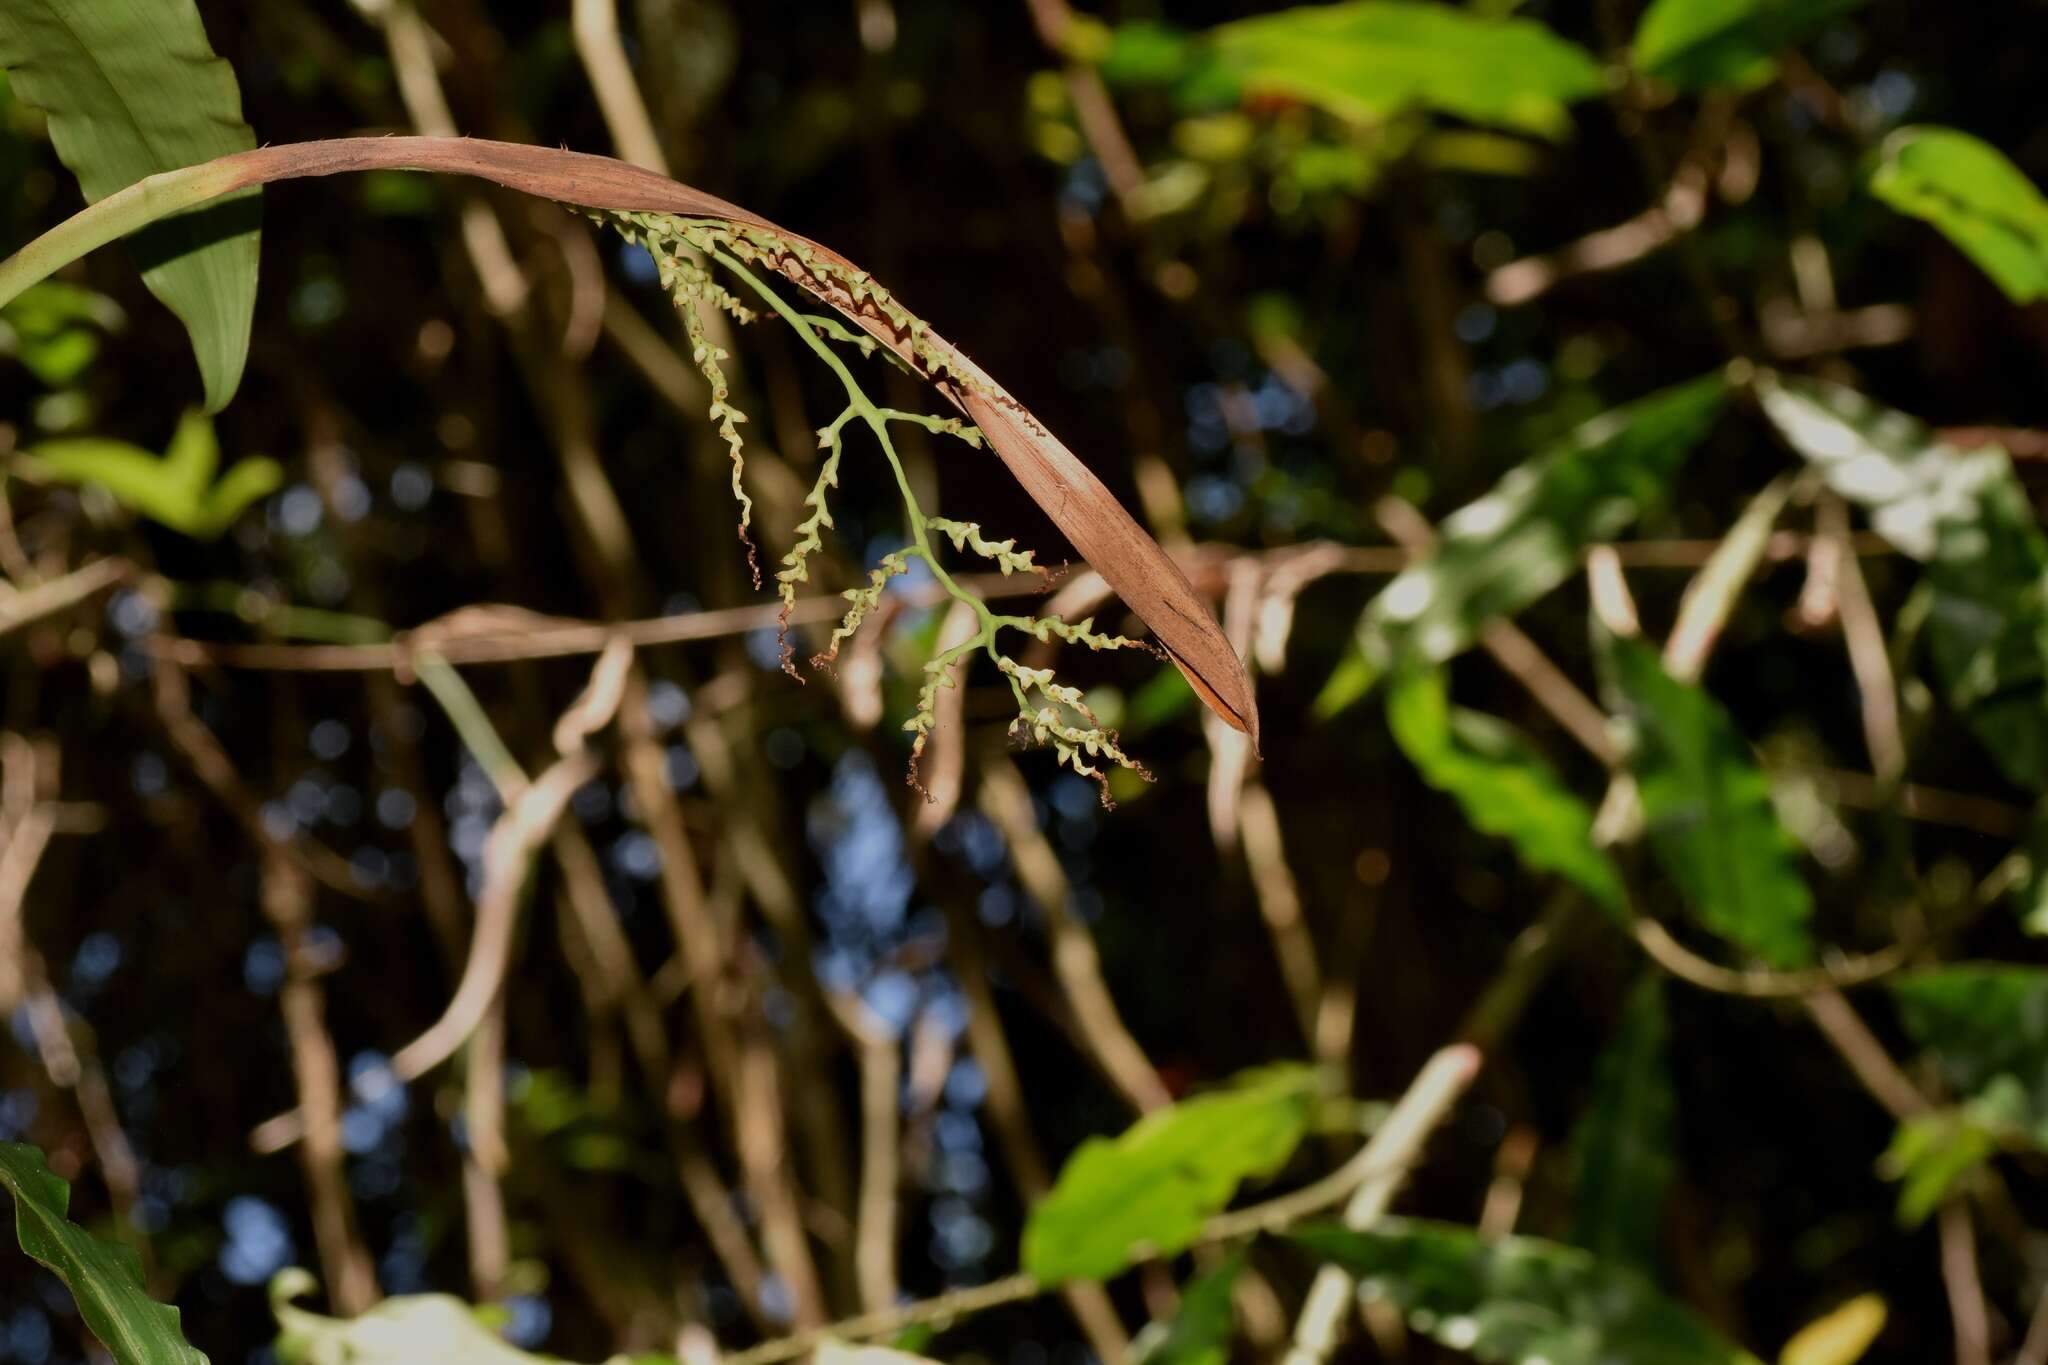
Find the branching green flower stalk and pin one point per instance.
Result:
(1048, 712)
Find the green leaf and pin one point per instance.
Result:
(1986, 1025)
(1373, 59)
(1707, 808)
(1200, 1332)
(54, 329)
(1965, 513)
(1148, 1191)
(1503, 786)
(177, 489)
(1841, 1337)
(1698, 43)
(1519, 1299)
(1930, 1154)
(104, 1277)
(132, 88)
(1977, 198)
(1509, 548)
(1624, 1144)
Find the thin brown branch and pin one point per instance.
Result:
(19, 608)
(316, 1074)
(1009, 1114)
(1007, 801)
(1869, 659)
(1964, 1285)
(29, 787)
(1761, 983)
(1280, 904)
(1859, 1047)
(1677, 212)
(881, 1070)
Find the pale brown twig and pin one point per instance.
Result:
(1965, 1287)
(1007, 802)
(19, 608)
(316, 1074)
(1393, 1149)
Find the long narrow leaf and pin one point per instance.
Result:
(104, 1277)
(1624, 1143)
(132, 88)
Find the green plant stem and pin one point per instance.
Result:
(114, 217)
(877, 420)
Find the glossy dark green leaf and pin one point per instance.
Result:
(1148, 1191)
(1518, 1300)
(132, 88)
(1698, 43)
(1509, 548)
(1199, 1332)
(1976, 197)
(1707, 809)
(1624, 1144)
(104, 1277)
(1967, 516)
(1501, 783)
(1986, 1027)
(1372, 59)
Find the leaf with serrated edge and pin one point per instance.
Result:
(104, 1277)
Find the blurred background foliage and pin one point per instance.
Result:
(1297, 284)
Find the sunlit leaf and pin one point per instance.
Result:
(1503, 786)
(132, 88)
(1199, 1332)
(1977, 198)
(1518, 1300)
(1509, 548)
(176, 489)
(1707, 808)
(1372, 59)
(1698, 43)
(1840, 1338)
(104, 1277)
(1148, 1191)
(1966, 514)
(1624, 1144)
